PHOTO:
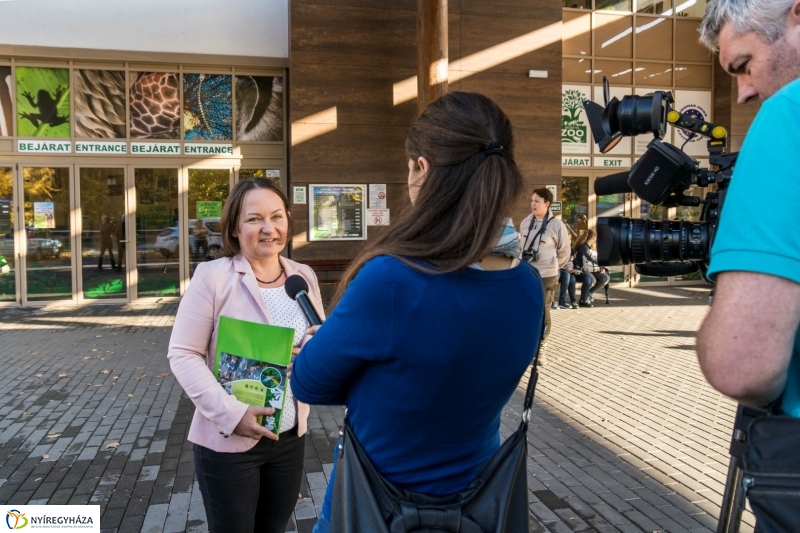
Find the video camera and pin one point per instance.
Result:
(660, 177)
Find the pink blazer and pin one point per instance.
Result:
(227, 287)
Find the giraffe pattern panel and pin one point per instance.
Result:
(155, 106)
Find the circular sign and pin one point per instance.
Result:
(381, 195)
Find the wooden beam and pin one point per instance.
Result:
(432, 54)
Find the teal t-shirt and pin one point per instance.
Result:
(757, 230)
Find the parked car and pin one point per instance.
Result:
(213, 239)
(167, 242)
(41, 244)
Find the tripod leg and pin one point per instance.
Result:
(730, 514)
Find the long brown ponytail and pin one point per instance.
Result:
(466, 193)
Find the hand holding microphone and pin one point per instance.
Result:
(297, 289)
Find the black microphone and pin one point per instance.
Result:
(613, 184)
(297, 289)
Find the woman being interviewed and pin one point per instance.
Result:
(437, 319)
(249, 477)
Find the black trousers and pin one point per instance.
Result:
(103, 247)
(252, 491)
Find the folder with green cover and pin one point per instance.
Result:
(251, 363)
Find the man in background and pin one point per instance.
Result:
(107, 230)
(545, 244)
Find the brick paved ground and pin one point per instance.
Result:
(625, 435)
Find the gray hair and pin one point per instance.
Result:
(767, 18)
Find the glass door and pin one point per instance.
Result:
(47, 237)
(8, 262)
(575, 204)
(103, 272)
(207, 192)
(613, 205)
(158, 239)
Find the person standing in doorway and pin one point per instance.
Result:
(107, 230)
(121, 243)
(546, 245)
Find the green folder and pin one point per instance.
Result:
(251, 363)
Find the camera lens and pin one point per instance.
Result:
(622, 241)
(634, 115)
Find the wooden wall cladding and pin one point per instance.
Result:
(348, 54)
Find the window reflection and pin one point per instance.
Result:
(691, 8)
(8, 284)
(577, 4)
(687, 46)
(614, 5)
(575, 203)
(654, 74)
(103, 242)
(612, 205)
(157, 237)
(574, 69)
(613, 36)
(654, 38)
(693, 76)
(208, 190)
(250, 173)
(577, 34)
(617, 72)
(47, 233)
(656, 7)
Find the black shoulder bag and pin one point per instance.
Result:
(495, 502)
(771, 471)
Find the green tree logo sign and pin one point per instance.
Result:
(572, 129)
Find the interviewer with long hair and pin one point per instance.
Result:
(249, 477)
(437, 319)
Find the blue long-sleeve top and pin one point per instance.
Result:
(425, 364)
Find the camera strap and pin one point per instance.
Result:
(538, 235)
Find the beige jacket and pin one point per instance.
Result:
(227, 287)
(554, 248)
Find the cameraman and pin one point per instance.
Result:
(545, 245)
(749, 351)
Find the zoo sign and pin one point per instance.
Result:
(574, 128)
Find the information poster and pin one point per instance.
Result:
(44, 215)
(337, 212)
(299, 194)
(377, 217)
(377, 195)
(209, 209)
(5, 216)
